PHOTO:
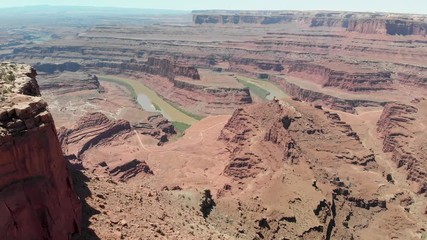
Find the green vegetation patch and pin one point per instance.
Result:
(262, 93)
(192, 115)
(180, 127)
(158, 101)
(156, 107)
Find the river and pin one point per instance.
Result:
(150, 101)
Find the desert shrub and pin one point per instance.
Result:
(11, 77)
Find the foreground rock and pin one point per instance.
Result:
(37, 200)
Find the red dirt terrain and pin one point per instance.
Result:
(341, 156)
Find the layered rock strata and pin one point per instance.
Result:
(336, 103)
(37, 200)
(351, 81)
(65, 82)
(158, 127)
(400, 126)
(317, 164)
(91, 130)
(96, 133)
(367, 23)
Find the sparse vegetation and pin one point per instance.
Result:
(207, 203)
(262, 93)
(212, 59)
(156, 107)
(11, 77)
(180, 127)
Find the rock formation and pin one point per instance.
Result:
(96, 131)
(307, 95)
(272, 144)
(89, 131)
(277, 130)
(37, 200)
(67, 83)
(351, 81)
(399, 126)
(155, 66)
(367, 23)
(158, 127)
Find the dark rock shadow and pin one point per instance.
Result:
(82, 190)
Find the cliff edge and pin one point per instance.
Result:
(37, 200)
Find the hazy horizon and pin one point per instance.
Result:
(409, 6)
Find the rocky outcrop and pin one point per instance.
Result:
(264, 135)
(398, 126)
(405, 27)
(262, 65)
(96, 133)
(158, 127)
(68, 82)
(129, 170)
(91, 130)
(37, 200)
(248, 125)
(167, 68)
(274, 139)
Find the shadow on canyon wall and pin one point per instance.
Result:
(80, 186)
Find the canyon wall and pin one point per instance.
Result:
(163, 67)
(351, 81)
(37, 200)
(388, 26)
(345, 105)
(180, 84)
(65, 82)
(368, 23)
(400, 126)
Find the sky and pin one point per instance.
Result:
(404, 6)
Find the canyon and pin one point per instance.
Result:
(214, 125)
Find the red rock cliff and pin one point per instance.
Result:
(401, 126)
(37, 200)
